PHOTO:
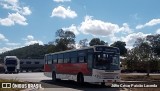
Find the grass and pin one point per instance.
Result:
(143, 89)
(140, 78)
(151, 78)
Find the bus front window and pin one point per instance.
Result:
(13, 62)
(105, 61)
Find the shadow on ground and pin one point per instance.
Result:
(75, 85)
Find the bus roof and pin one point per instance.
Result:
(10, 56)
(82, 49)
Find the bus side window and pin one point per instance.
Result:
(49, 59)
(81, 59)
(36, 62)
(46, 62)
(73, 57)
(81, 56)
(28, 62)
(66, 58)
(54, 59)
(60, 58)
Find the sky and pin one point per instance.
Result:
(26, 22)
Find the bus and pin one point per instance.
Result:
(11, 64)
(33, 65)
(95, 64)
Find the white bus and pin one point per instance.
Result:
(11, 64)
(96, 64)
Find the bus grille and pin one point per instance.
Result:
(11, 68)
(108, 75)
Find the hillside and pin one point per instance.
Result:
(32, 51)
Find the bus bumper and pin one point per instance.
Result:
(95, 80)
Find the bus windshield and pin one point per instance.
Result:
(106, 61)
(11, 61)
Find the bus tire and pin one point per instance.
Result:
(17, 71)
(102, 83)
(54, 76)
(80, 78)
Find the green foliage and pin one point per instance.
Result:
(65, 40)
(31, 51)
(83, 43)
(154, 43)
(97, 41)
(144, 55)
(50, 48)
(138, 57)
(121, 45)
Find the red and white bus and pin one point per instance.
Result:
(95, 64)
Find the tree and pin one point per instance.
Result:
(51, 48)
(97, 41)
(144, 52)
(64, 40)
(121, 45)
(83, 43)
(132, 60)
(155, 43)
(147, 51)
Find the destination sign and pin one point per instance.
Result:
(107, 49)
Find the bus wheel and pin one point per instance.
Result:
(17, 71)
(102, 83)
(54, 76)
(80, 78)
